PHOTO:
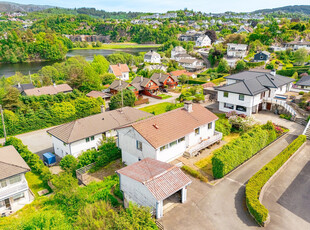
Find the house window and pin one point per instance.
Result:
(241, 97)
(173, 143)
(18, 196)
(210, 125)
(241, 108)
(92, 138)
(225, 94)
(3, 184)
(228, 106)
(87, 139)
(15, 179)
(139, 145)
(181, 139)
(162, 148)
(197, 131)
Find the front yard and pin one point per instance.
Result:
(164, 96)
(36, 184)
(161, 107)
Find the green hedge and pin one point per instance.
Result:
(198, 82)
(255, 184)
(255, 64)
(194, 173)
(291, 70)
(241, 149)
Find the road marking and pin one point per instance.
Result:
(235, 181)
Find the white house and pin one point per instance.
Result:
(251, 91)
(179, 57)
(120, 71)
(168, 136)
(177, 50)
(203, 40)
(298, 45)
(14, 190)
(191, 64)
(152, 57)
(151, 183)
(87, 133)
(304, 83)
(236, 50)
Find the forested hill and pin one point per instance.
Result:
(288, 9)
(14, 7)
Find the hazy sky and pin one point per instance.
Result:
(164, 5)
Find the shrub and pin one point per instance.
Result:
(239, 150)
(68, 163)
(222, 125)
(285, 116)
(194, 173)
(87, 157)
(255, 184)
(301, 93)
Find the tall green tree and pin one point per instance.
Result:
(129, 99)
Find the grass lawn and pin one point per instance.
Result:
(36, 184)
(164, 96)
(121, 46)
(157, 109)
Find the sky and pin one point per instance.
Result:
(214, 6)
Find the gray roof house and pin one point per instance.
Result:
(261, 56)
(22, 87)
(248, 92)
(152, 57)
(304, 82)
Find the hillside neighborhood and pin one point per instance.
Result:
(137, 120)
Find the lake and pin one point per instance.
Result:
(8, 70)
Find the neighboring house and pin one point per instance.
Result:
(304, 83)
(236, 50)
(14, 190)
(277, 48)
(191, 64)
(156, 67)
(177, 50)
(178, 57)
(298, 45)
(23, 87)
(168, 136)
(250, 91)
(117, 86)
(87, 133)
(178, 73)
(48, 90)
(120, 71)
(96, 94)
(152, 57)
(145, 86)
(231, 61)
(202, 41)
(245, 29)
(165, 80)
(261, 56)
(150, 183)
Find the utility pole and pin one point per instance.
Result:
(3, 125)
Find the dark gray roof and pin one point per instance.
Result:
(116, 85)
(22, 87)
(304, 81)
(253, 83)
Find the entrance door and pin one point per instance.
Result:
(7, 203)
(260, 107)
(268, 106)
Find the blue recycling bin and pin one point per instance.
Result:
(49, 159)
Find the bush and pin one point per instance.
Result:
(87, 157)
(255, 184)
(68, 163)
(285, 116)
(194, 173)
(222, 125)
(239, 150)
(301, 93)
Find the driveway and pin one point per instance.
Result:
(223, 206)
(153, 101)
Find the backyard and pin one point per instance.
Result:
(161, 107)
(36, 184)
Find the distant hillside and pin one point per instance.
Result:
(288, 9)
(14, 7)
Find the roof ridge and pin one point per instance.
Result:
(247, 87)
(18, 166)
(71, 131)
(159, 175)
(270, 80)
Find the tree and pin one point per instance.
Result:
(301, 56)
(11, 99)
(295, 75)
(100, 64)
(212, 35)
(183, 78)
(63, 110)
(223, 66)
(108, 78)
(240, 66)
(129, 99)
(68, 163)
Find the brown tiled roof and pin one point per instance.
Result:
(119, 69)
(96, 124)
(116, 85)
(208, 84)
(48, 90)
(161, 179)
(178, 73)
(11, 163)
(167, 127)
(96, 94)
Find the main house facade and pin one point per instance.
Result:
(168, 136)
(87, 133)
(121, 71)
(14, 190)
(152, 57)
(249, 91)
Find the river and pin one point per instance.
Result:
(8, 70)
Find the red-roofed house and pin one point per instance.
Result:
(120, 71)
(170, 135)
(151, 183)
(178, 73)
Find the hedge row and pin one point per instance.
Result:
(255, 64)
(33, 160)
(198, 82)
(241, 149)
(194, 173)
(290, 71)
(255, 184)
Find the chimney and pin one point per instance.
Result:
(119, 65)
(188, 105)
(102, 108)
(54, 84)
(273, 72)
(18, 85)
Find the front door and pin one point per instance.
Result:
(260, 107)
(268, 106)
(7, 203)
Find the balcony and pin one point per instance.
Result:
(10, 190)
(193, 150)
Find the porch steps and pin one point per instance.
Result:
(301, 121)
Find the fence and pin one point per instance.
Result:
(81, 173)
(142, 101)
(287, 107)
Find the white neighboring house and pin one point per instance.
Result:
(191, 64)
(14, 190)
(87, 133)
(168, 136)
(120, 71)
(150, 182)
(152, 57)
(304, 83)
(179, 57)
(203, 40)
(177, 50)
(236, 50)
(251, 91)
(298, 45)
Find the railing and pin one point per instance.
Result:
(10, 190)
(204, 144)
(81, 171)
(306, 132)
(282, 103)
